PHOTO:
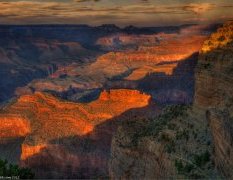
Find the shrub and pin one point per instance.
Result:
(179, 166)
(14, 170)
(164, 137)
(158, 124)
(202, 159)
(170, 147)
(182, 134)
(183, 169)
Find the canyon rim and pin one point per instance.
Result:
(116, 89)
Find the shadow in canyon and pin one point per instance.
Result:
(27, 52)
(87, 156)
(10, 149)
(177, 88)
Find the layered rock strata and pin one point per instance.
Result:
(64, 139)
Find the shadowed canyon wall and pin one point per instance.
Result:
(214, 93)
(185, 141)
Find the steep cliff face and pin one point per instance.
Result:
(214, 70)
(64, 139)
(214, 93)
(195, 142)
(222, 132)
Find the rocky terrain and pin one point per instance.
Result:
(147, 68)
(185, 141)
(37, 51)
(64, 139)
(215, 71)
(60, 123)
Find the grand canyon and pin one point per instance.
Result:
(81, 101)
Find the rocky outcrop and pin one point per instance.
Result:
(64, 139)
(214, 93)
(14, 126)
(213, 74)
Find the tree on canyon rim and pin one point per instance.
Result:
(10, 170)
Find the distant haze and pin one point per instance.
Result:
(119, 12)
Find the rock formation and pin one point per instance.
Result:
(57, 138)
(64, 139)
(185, 142)
(214, 93)
(164, 63)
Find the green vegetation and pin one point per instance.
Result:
(202, 159)
(183, 169)
(182, 134)
(193, 169)
(155, 126)
(14, 171)
(171, 112)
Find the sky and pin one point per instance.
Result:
(119, 12)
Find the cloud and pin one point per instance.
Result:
(74, 11)
(86, 0)
(199, 8)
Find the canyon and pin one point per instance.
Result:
(37, 51)
(124, 103)
(146, 68)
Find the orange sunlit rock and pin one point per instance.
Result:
(28, 151)
(57, 125)
(140, 73)
(220, 39)
(14, 126)
(174, 49)
(52, 118)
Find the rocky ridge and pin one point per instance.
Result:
(63, 139)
